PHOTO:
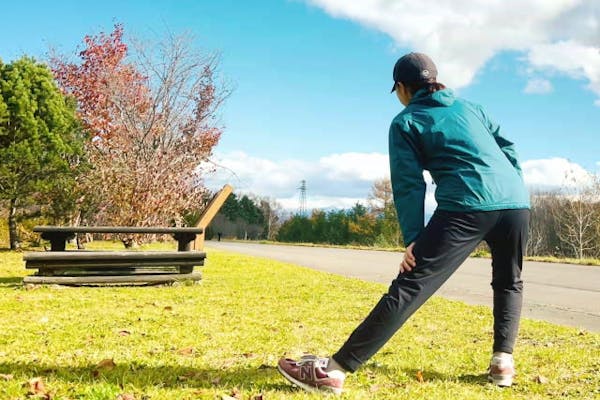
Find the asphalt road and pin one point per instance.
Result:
(564, 294)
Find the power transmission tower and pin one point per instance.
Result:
(302, 189)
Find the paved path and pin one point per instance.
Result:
(560, 293)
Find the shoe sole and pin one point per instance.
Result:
(501, 380)
(306, 387)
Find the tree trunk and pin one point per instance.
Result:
(12, 225)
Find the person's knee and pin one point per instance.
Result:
(510, 284)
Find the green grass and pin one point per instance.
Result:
(224, 335)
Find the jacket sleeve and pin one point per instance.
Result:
(507, 147)
(408, 185)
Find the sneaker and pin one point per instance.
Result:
(501, 371)
(309, 374)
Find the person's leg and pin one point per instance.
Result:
(508, 241)
(445, 243)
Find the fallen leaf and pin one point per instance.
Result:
(235, 393)
(6, 377)
(419, 376)
(38, 389)
(105, 365)
(125, 396)
(542, 380)
(258, 397)
(168, 308)
(124, 332)
(187, 351)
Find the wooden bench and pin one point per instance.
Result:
(62, 266)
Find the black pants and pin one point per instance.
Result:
(442, 247)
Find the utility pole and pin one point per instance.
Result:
(302, 189)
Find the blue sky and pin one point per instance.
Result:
(312, 78)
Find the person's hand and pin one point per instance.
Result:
(408, 262)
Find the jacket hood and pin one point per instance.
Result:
(444, 98)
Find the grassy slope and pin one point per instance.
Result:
(224, 336)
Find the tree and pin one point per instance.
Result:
(543, 239)
(381, 203)
(296, 229)
(271, 211)
(153, 122)
(577, 217)
(40, 140)
(242, 218)
(362, 225)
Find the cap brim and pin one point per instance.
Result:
(393, 88)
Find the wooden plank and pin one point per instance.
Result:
(209, 213)
(49, 261)
(116, 229)
(108, 270)
(100, 280)
(112, 255)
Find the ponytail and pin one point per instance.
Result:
(429, 86)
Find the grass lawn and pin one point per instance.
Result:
(222, 337)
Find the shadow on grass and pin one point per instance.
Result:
(11, 281)
(430, 375)
(146, 376)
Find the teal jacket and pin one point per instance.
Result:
(473, 167)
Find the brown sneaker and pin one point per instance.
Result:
(309, 374)
(501, 371)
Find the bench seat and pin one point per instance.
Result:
(112, 267)
(112, 259)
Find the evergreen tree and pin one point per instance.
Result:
(40, 140)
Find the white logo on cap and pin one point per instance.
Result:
(425, 73)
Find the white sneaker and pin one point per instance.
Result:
(502, 370)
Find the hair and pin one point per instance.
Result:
(430, 86)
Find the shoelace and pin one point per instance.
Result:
(319, 361)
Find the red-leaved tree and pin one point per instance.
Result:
(152, 121)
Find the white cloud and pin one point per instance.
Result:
(538, 86)
(554, 173)
(570, 57)
(336, 180)
(342, 180)
(462, 35)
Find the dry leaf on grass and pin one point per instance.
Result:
(6, 377)
(235, 394)
(124, 332)
(420, 377)
(37, 388)
(186, 351)
(107, 364)
(541, 379)
(168, 308)
(126, 396)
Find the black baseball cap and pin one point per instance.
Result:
(414, 67)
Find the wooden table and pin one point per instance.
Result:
(61, 266)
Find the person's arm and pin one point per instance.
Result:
(507, 147)
(408, 184)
